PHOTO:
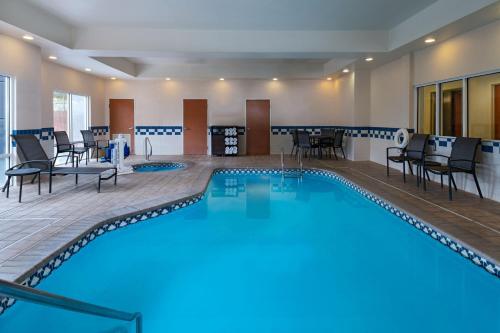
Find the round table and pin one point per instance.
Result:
(21, 173)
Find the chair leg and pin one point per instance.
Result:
(7, 186)
(477, 185)
(449, 186)
(76, 179)
(409, 167)
(342, 149)
(39, 185)
(387, 166)
(33, 179)
(50, 182)
(21, 189)
(404, 172)
(441, 180)
(67, 159)
(453, 181)
(424, 183)
(428, 177)
(335, 153)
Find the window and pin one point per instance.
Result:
(426, 109)
(451, 108)
(71, 114)
(4, 126)
(484, 106)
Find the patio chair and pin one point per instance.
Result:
(32, 155)
(327, 140)
(92, 144)
(461, 160)
(338, 142)
(64, 146)
(305, 144)
(414, 152)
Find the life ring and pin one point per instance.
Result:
(401, 138)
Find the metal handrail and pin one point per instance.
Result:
(146, 142)
(31, 295)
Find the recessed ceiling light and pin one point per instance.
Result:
(88, 70)
(275, 79)
(430, 40)
(329, 78)
(28, 37)
(345, 70)
(113, 78)
(221, 79)
(167, 79)
(369, 59)
(52, 57)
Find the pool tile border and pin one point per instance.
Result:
(56, 260)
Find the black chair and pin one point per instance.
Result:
(305, 144)
(413, 153)
(295, 139)
(32, 155)
(461, 160)
(64, 146)
(338, 142)
(91, 144)
(327, 140)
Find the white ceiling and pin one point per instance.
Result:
(236, 14)
(254, 39)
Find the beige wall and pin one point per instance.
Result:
(22, 61)
(55, 77)
(472, 52)
(391, 91)
(294, 102)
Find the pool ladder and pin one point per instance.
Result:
(31, 295)
(147, 144)
(294, 173)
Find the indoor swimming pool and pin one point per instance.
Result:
(262, 253)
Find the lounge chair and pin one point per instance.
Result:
(92, 144)
(462, 159)
(413, 153)
(32, 155)
(64, 146)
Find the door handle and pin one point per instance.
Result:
(130, 128)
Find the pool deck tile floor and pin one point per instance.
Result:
(32, 230)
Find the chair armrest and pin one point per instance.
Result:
(438, 155)
(18, 166)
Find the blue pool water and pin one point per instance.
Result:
(261, 255)
(156, 167)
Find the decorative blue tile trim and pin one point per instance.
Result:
(386, 133)
(58, 259)
(487, 146)
(158, 130)
(99, 130)
(43, 134)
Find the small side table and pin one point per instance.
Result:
(21, 173)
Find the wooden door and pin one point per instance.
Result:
(258, 127)
(195, 127)
(121, 119)
(497, 113)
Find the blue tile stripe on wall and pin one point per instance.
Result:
(99, 130)
(43, 134)
(386, 133)
(158, 130)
